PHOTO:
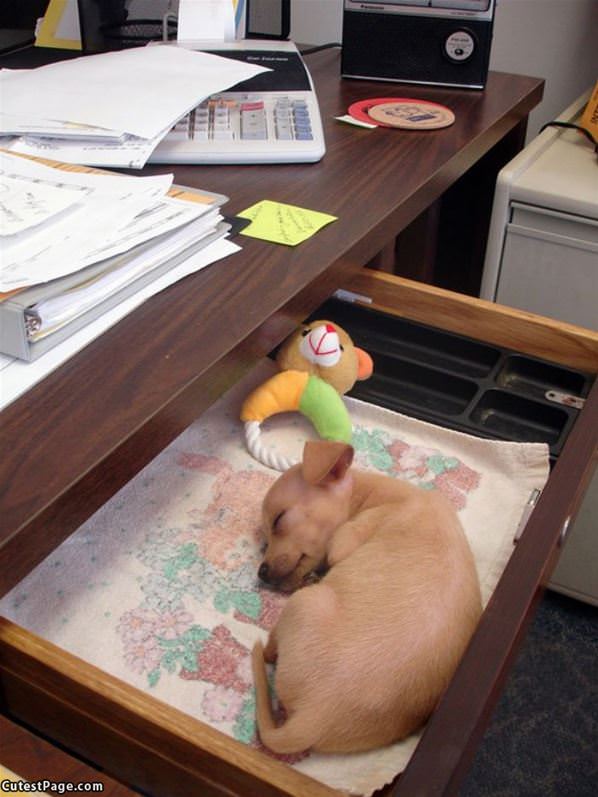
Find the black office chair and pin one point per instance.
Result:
(108, 25)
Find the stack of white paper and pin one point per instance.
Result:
(18, 376)
(76, 242)
(110, 109)
(55, 222)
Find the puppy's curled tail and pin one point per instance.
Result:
(293, 736)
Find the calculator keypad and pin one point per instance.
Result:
(246, 119)
(247, 127)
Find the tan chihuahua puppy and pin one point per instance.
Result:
(364, 654)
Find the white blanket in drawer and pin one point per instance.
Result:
(159, 587)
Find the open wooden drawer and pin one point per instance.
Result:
(162, 751)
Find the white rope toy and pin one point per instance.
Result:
(263, 453)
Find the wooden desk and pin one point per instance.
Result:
(73, 440)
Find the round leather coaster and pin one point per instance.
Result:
(359, 110)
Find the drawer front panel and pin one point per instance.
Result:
(552, 222)
(555, 276)
(527, 333)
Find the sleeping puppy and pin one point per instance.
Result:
(364, 654)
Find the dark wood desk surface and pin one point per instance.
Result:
(34, 759)
(74, 439)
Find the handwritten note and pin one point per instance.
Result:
(283, 224)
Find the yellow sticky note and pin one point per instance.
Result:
(283, 224)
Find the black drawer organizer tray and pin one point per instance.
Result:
(458, 382)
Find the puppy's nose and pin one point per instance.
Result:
(264, 572)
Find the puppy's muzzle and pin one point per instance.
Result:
(275, 571)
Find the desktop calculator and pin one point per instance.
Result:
(271, 118)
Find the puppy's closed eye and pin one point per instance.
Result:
(276, 529)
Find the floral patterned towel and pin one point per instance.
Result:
(159, 587)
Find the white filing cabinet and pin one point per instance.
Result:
(542, 252)
(542, 256)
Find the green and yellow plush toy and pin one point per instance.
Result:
(318, 363)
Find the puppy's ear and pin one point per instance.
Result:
(325, 461)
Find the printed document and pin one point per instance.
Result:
(108, 219)
(125, 152)
(25, 204)
(142, 91)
